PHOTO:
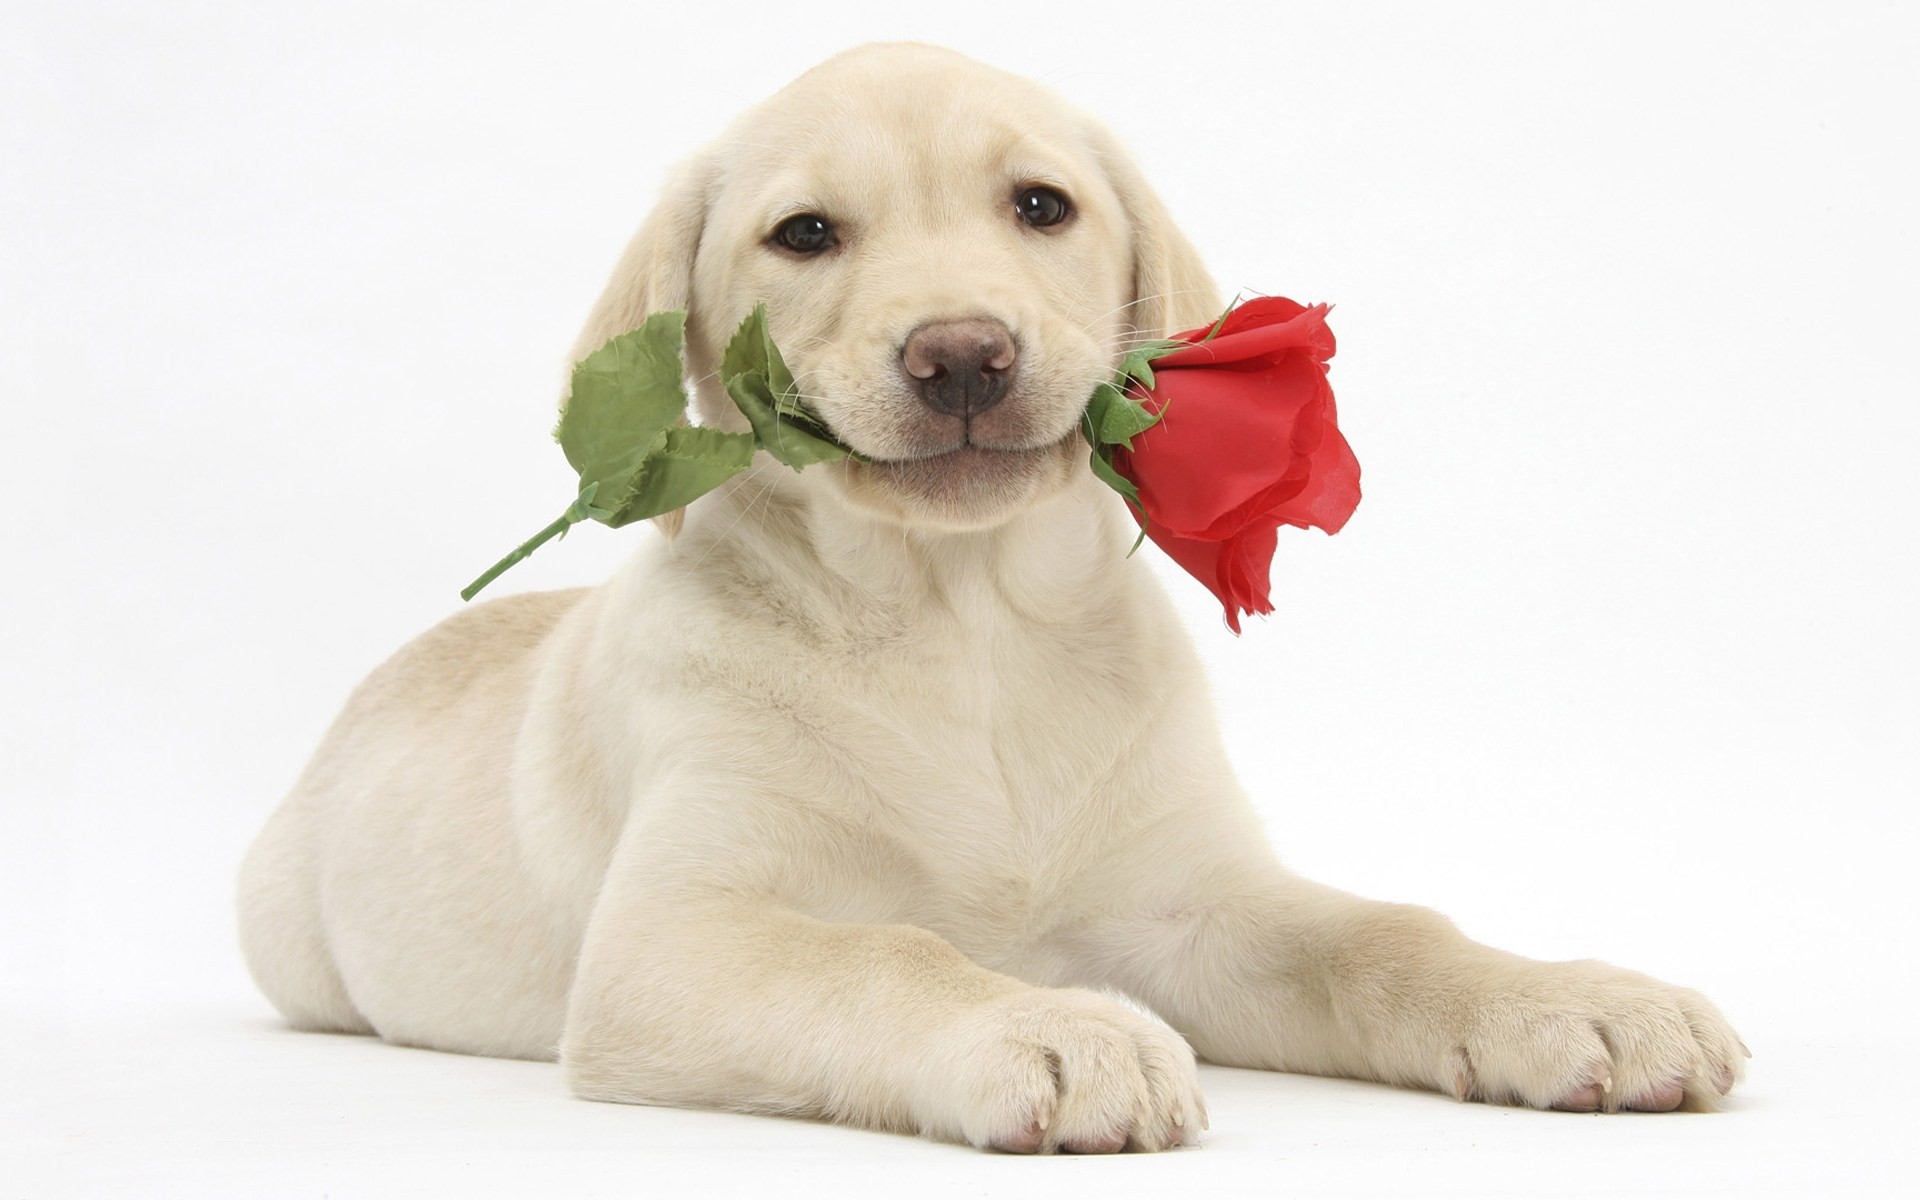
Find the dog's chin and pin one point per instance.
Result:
(968, 488)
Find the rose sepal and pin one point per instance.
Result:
(1117, 414)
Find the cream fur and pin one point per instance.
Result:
(871, 795)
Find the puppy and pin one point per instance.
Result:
(878, 792)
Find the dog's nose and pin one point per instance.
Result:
(961, 367)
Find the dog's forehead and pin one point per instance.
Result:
(908, 85)
(894, 119)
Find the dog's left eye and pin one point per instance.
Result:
(1041, 206)
(808, 233)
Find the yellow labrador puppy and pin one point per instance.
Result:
(888, 793)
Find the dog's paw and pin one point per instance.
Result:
(1589, 1037)
(1063, 1070)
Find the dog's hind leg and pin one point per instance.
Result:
(281, 932)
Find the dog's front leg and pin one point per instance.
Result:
(1288, 975)
(743, 1004)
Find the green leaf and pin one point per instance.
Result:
(763, 389)
(795, 442)
(746, 350)
(751, 352)
(621, 427)
(690, 461)
(624, 396)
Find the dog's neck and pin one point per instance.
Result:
(807, 555)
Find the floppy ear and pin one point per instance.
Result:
(1171, 288)
(655, 273)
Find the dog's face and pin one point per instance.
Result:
(951, 260)
(946, 267)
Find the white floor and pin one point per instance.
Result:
(227, 1103)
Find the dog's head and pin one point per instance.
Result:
(951, 259)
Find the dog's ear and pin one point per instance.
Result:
(655, 272)
(1172, 290)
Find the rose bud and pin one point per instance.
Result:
(1246, 443)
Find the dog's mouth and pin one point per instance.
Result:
(958, 470)
(969, 478)
(970, 444)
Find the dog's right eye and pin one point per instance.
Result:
(808, 233)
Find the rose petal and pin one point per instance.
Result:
(1226, 443)
(1332, 491)
(1263, 326)
(1248, 564)
(1237, 571)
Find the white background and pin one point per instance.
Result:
(1611, 662)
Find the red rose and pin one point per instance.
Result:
(1247, 444)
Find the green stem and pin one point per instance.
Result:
(581, 508)
(559, 527)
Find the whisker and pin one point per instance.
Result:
(1139, 300)
(1085, 327)
(745, 509)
